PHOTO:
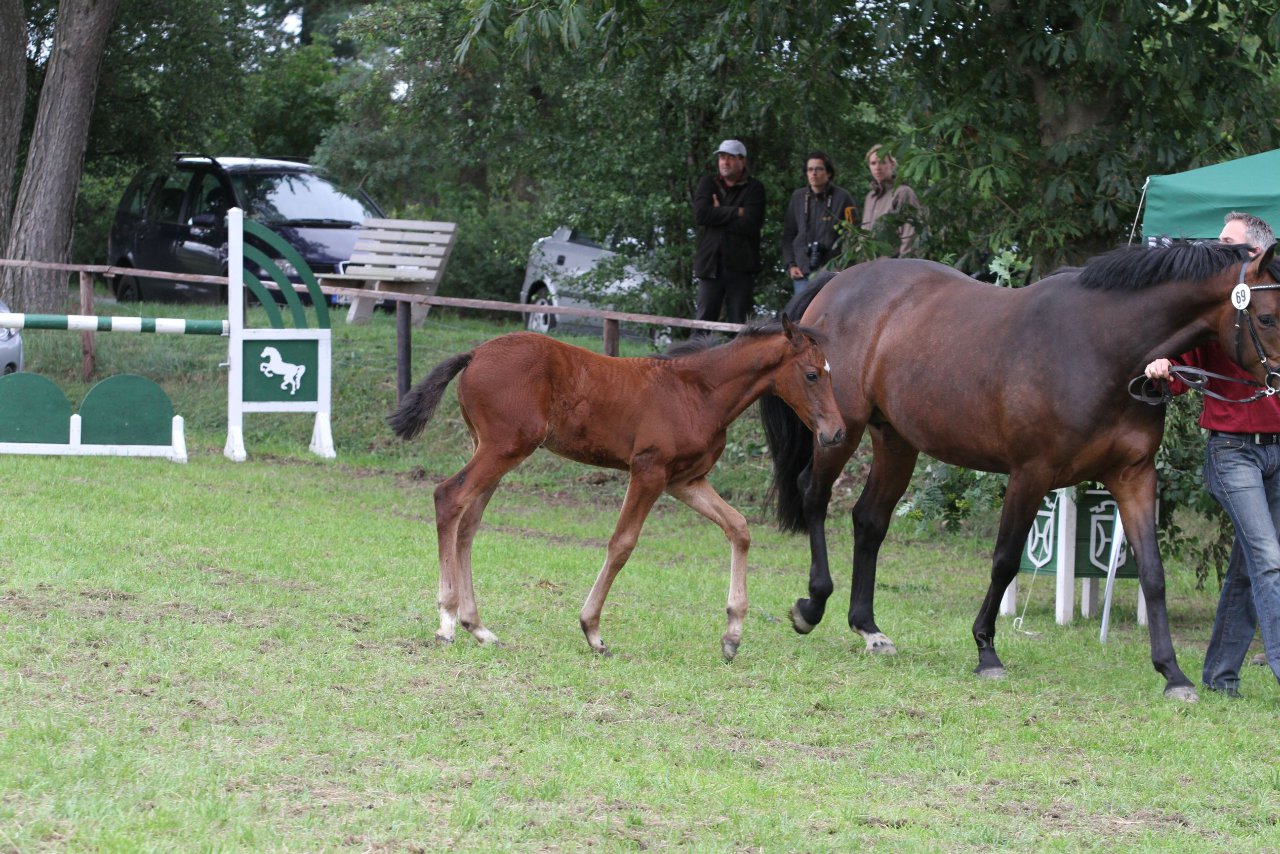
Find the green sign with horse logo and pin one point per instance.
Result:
(280, 370)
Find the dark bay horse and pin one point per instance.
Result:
(662, 420)
(1030, 382)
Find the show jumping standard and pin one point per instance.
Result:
(1031, 382)
(661, 419)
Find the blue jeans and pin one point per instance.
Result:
(1245, 480)
(797, 285)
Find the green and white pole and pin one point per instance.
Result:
(95, 323)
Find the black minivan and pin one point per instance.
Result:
(174, 219)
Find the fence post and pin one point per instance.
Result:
(404, 348)
(88, 358)
(611, 334)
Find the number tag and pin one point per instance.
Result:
(1240, 296)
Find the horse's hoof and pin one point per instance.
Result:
(879, 644)
(445, 640)
(486, 637)
(991, 673)
(605, 652)
(729, 648)
(798, 622)
(1185, 693)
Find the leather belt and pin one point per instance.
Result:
(1254, 438)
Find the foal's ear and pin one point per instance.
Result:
(788, 329)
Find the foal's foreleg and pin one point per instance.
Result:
(701, 496)
(642, 492)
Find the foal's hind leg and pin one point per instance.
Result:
(460, 501)
(892, 464)
(700, 495)
(468, 613)
(643, 490)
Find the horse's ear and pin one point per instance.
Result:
(1265, 259)
(788, 328)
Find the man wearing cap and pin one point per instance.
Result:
(728, 208)
(1241, 471)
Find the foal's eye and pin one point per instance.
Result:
(811, 376)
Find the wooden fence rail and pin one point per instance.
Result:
(610, 320)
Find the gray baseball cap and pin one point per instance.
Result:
(732, 146)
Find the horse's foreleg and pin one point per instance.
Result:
(703, 498)
(642, 492)
(1135, 494)
(1022, 499)
(815, 488)
(892, 464)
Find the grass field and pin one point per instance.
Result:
(222, 656)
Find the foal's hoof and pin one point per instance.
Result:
(486, 637)
(729, 648)
(798, 622)
(1185, 693)
(990, 672)
(878, 643)
(444, 640)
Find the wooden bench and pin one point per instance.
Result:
(402, 255)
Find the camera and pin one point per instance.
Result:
(817, 254)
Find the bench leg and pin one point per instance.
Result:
(361, 309)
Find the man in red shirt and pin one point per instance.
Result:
(1241, 471)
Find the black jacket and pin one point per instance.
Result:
(811, 218)
(728, 233)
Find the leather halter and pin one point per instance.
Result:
(1157, 392)
(1244, 318)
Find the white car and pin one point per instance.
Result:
(554, 263)
(10, 347)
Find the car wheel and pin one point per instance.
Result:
(127, 289)
(540, 321)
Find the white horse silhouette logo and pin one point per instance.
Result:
(278, 367)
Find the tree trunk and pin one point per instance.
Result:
(13, 98)
(45, 210)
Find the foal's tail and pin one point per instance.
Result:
(417, 407)
(790, 440)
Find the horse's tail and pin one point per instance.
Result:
(417, 407)
(790, 441)
(791, 448)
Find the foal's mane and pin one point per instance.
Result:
(1137, 267)
(698, 343)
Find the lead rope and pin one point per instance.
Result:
(1018, 620)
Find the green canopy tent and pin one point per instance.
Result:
(1192, 204)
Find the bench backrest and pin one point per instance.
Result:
(402, 250)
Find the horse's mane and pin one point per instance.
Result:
(705, 341)
(1138, 267)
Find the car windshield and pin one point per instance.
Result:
(283, 198)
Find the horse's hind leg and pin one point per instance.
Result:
(468, 613)
(816, 482)
(1022, 500)
(643, 490)
(460, 501)
(700, 495)
(892, 464)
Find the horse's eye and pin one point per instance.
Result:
(811, 376)
(1267, 320)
